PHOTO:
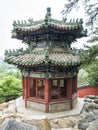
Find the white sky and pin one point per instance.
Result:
(11, 10)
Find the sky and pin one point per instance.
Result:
(11, 10)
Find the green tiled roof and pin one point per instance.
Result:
(56, 25)
(48, 42)
(35, 58)
(24, 29)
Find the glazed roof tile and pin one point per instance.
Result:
(33, 59)
(48, 29)
(35, 27)
(31, 30)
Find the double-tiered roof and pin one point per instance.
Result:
(48, 43)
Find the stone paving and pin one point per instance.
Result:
(75, 111)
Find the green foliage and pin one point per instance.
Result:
(89, 59)
(10, 88)
(10, 82)
(92, 70)
(82, 76)
(6, 69)
(89, 6)
(94, 37)
(89, 54)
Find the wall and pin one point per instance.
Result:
(82, 92)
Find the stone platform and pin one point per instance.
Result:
(75, 111)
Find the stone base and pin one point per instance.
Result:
(61, 106)
(74, 100)
(36, 106)
(53, 106)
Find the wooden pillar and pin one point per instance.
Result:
(25, 90)
(28, 86)
(69, 90)
(47, 94)
(23, 87)
(36, 88)
(73, 85)
(58, 83)
(75, 78)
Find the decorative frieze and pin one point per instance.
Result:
(48, 75)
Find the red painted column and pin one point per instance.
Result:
(36, 88)
(69, 90)
(23, 87)
(47, 94)
(25, 90)
(58, 82)
(75, 78)
(28, 87)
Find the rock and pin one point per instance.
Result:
(1, 120)
(16, 116)
(96, 106)
(95, 111)
(4, 105)
(90, 117)
(83, 114)
(47, 124)
(91, 96)
(1, 112)
(12, 102)
(96, 101)
(10, 124)
(93, 125)
(65, 123)
(5, 116)
(8, 115)
(90, 106)
(42, 124)
(65, 129)
(96, 97)
(88, 100)
(74, 120)
(12, 107)
(82, 124)
(54, 124)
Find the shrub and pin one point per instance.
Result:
(10, 88)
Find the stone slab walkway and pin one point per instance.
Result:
(40, 115)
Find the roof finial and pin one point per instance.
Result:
(49, 12)
(48, 15)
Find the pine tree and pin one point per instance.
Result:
(89, 55)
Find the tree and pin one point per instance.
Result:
(92, 70)
(89, 55)
(91, 11)
(10, 82)
(94, 37)
(89, 59)
(90, 7)
(10, 88)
